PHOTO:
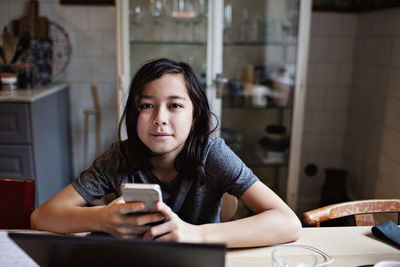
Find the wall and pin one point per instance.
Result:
(91, 30)
(353, 104)
(372, 151)
(328, 86)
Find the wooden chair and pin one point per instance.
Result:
(362, 210)
(96, 111)
(228, 208)
(17, 202)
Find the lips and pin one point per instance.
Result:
(161, 134)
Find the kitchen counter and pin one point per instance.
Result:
(31, 95)
(35, 141)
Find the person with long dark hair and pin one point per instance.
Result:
(167, 121)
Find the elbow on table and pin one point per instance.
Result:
(36, 220)
(298, 230)
(288, 228)
(294, 228)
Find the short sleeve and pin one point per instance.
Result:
(103, 176)
(228, 169)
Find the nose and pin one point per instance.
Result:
(160, 118)
(159, 123)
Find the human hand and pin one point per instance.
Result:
(173, 228)
(119, 219)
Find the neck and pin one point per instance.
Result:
(163, 168)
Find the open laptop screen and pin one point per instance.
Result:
(68, 250)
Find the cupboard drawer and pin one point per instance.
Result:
(16, 162)
(14, 123)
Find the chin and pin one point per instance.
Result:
(158, 150)
(162, 150)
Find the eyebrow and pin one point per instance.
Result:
(169, 97)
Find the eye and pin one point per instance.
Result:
(176, 106)
(146, 106)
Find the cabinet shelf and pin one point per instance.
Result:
(197, 43)
(252, 155)
(264, 43)
(158, 42)
(240, 102)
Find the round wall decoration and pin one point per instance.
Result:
(61, 49)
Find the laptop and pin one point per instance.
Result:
(69, 250)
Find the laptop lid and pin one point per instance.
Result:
(68, 250)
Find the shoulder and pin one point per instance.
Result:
(119, 147)
(224, 167)
(215, 144)
(217, 151)
(116, 153)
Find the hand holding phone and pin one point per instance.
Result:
(149, 194)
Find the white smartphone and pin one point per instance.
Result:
(149, 194)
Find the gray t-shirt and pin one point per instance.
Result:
(193, 201)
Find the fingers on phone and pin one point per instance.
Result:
(132, 232)
(161, 207)
(153, 232)
(145, 219)
(166, 210)
(158, 232)
(131, 207)
(119, 200)
(130, 236)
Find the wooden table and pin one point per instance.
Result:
(349, 246)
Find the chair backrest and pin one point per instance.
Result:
(362, 210)
(228, 208)
(17, 202)
(95, 96)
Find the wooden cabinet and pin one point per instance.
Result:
(35, 139)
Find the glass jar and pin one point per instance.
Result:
(25, 75)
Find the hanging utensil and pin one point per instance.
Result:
(34, 24)
(2, 58)
(22, 46)
(9, 45)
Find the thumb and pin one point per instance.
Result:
(119, 200)
(165, 210)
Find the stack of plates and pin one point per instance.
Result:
(275, 138)
(8, 82)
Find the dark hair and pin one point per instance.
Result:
(190, 158)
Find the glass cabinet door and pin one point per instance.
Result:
(176, 29)
(259, 56)
(150, 29)
(183, 30)
(254, 47)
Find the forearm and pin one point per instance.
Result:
(267, 228)
(66, 213)
(63, 219)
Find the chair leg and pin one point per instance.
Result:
(86, 141)
(98, 130)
